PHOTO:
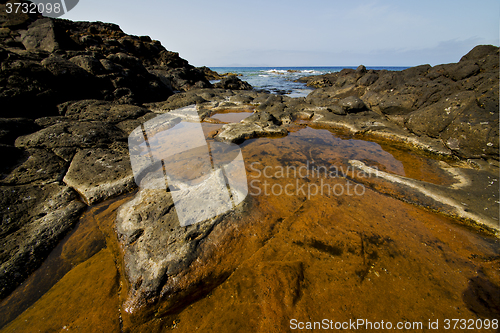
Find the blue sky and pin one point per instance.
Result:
(305, 33)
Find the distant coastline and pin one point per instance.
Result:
(281, 80)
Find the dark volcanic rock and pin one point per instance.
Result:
(367, 79)
(59, 60)
(432, 120)
(83, 134)
(34, 219)
(178, 101)
(26, 88)
(396, 104)
(159, 251)
(352, 104)
(40, 167)
(456, 103)
(87, 86)
(69, 80)
(210, 74)
(97, 173)
(232, 82)
(473, 133)
(100, 110)
(76, 84)
(480, 52)
(239, 132)
(92, 64)
(40, 36)
(11, 128)
(462, 70)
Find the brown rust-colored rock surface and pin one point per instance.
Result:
(331, 240)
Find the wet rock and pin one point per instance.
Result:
(239, 132)
(158, 250)
(98, 173)
(34, 219)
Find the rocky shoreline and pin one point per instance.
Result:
(72, 92)
(77, 87)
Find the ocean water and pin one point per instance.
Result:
(280, 80)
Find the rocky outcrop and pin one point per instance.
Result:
(71, 93)
(354, 108)
(50, 61)
(232, 82)
(34, 219)
(454, 103)
(100, 173)
(158, 250)
(210, 74)
(169, 266)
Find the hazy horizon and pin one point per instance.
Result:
(317, 33)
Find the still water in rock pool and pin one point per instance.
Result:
(310, 241)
